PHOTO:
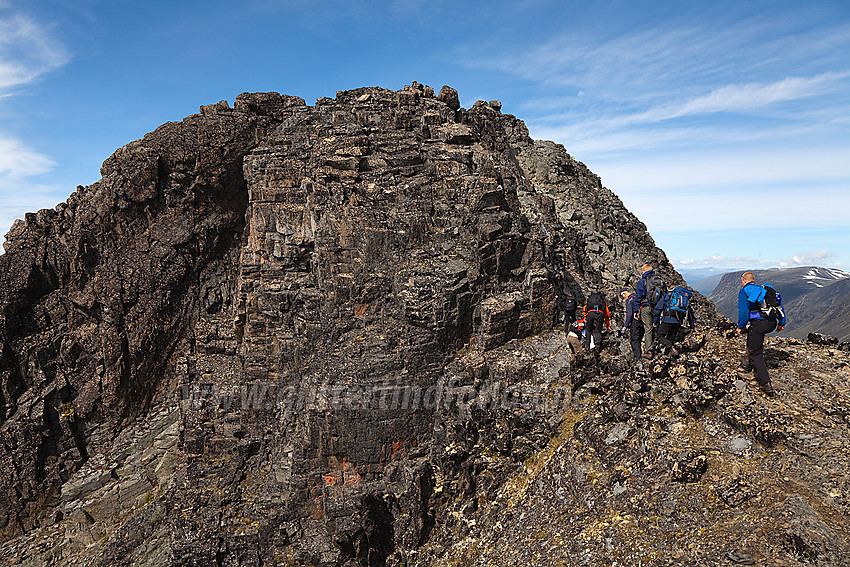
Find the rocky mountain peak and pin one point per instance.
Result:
(282, 334)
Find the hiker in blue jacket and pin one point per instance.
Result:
(670, 315)
(632, 323)
(642, 293)
(750, 317)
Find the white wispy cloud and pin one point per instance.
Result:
(676, 61)
(724, 262)
(649, 87)
(608, 132)
(18, 161)
(694, 128)
(734, 98)
(809, 258)
(750, 96)
(613, 67)
(720, 170)
(18, 193)
(27, 51)
(589, 142)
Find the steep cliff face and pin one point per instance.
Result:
(282, 334)
(100, 295)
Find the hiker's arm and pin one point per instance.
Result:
(743, 310)
(640, 290)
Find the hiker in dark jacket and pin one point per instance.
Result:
(642, 291)
(595, 312)
(751, 318)
(669, 320)
(632, 324)
(569, 306)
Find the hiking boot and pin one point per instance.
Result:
(768, 390)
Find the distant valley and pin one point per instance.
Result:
(815, 299)
(704, 280)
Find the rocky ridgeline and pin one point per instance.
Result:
(280, 334)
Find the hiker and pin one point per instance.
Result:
(648, 292)
(757, 319)
(575, 331)
(595, 312)
(632, 324)
(569, 306)
(670, 315)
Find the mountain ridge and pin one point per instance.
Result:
(281, 334)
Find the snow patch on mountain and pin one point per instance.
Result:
(825, 274)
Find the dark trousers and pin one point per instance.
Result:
(755, 347)
(636, 331)
(593, 326)
(667, 333)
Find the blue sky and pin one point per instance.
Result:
(724, 126)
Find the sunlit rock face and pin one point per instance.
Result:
(281, 334)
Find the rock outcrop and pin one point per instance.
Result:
(281, 334)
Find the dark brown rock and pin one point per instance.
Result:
(449, 96)
(819, 339)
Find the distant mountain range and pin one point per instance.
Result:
(815, 299)
(704, 280)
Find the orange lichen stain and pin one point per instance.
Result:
(399, 449)
(347, 475)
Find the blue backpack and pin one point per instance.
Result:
(680, 300)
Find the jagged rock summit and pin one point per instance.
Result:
(281, 334)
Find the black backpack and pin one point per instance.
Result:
(655, 289)
(570, 304)
(595, 301)
(771, 305)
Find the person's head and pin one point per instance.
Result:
(747, 277)
(624, 294)
(645, 268)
